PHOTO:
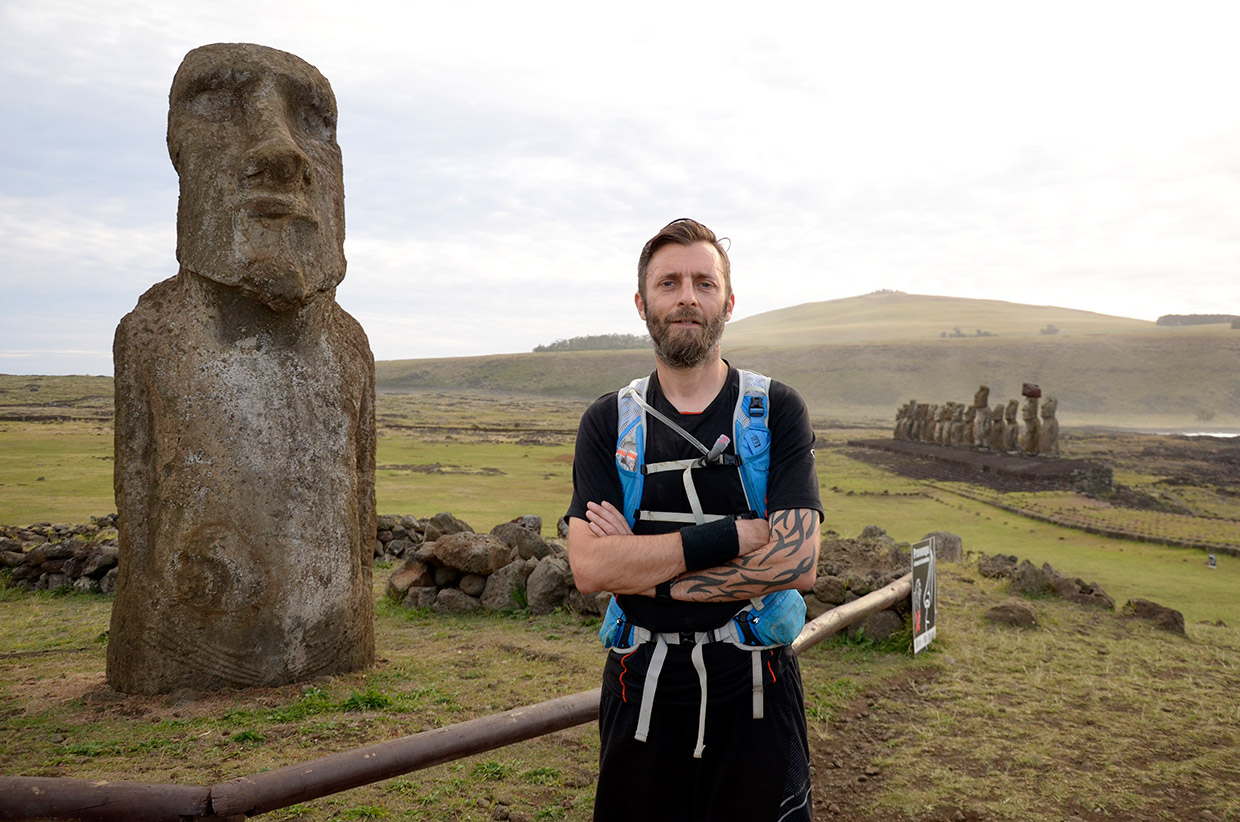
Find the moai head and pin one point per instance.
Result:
(1012, 407)
(252, 135)
(1030, 411)
(997, 413)
(1049, 407)
(970, 413)
(982, 398)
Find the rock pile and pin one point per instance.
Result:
(848, 569)
(54, 557)
(450, 569)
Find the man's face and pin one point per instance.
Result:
(686, 303)
(252, 134)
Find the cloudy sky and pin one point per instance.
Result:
(504, 161)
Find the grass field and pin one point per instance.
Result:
(1090, 715)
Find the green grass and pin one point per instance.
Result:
(55, 472)
(1175, 577)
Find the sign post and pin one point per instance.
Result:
(925, 595)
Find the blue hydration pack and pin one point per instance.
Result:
(768, 621)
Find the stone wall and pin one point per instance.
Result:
(51, 557)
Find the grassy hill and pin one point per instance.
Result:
(859, 359)
(890, 316)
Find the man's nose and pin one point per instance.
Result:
(274, 157)
(687, 293)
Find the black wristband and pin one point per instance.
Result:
(710, 544)
(663, 590)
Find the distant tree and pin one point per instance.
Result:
(1196, 319)
(596, 342)
(1049, 330)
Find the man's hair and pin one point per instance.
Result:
(686, 232)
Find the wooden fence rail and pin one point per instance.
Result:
(28, 797)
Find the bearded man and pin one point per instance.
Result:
(695, 502)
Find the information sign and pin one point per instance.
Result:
(925, 594)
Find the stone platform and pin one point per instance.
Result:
(1002, 471)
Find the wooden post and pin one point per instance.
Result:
(841, 617)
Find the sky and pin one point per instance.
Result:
(504, 162)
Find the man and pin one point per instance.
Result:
(245, 401)
(725, 736)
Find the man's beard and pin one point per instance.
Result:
(681, 347)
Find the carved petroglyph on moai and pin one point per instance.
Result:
(245, 401)
(1048, 433)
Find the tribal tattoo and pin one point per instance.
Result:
(791, 553)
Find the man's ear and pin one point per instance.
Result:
(640, 303)
(731, 304)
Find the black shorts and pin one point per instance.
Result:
(751, 770)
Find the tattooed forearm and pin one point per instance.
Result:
(790, 556)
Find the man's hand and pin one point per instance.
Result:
(606, 520)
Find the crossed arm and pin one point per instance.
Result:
(775, 554)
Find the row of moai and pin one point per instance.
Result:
(979, 426)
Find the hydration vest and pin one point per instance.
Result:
(767, 622)
(752, 457)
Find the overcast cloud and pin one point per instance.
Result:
(504, 162)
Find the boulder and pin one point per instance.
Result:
(412, 574)
(473, 584)
(829, 590)
(445, 524)
(455, 601)
(1161, 616)
(98, 561)
(877, 626)
(549, 585)
(470, 553)
(1028, 580)
(1089, 594)
(1013, 612)
(948, 547)
(503, 586)
(526, 542)
(422, 598)
(997, 566)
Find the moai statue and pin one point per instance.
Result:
(955, 425)
(940, 423)
(1011, 428)
(981, 418)
(1048, 433)
(245, 438)
(970, 419)
(998, 428)
(901, 430)
(1029, 437)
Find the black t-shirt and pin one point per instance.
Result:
(791, 483)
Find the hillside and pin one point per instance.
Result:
(894, 316)
(858, 359)
(861, 357)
